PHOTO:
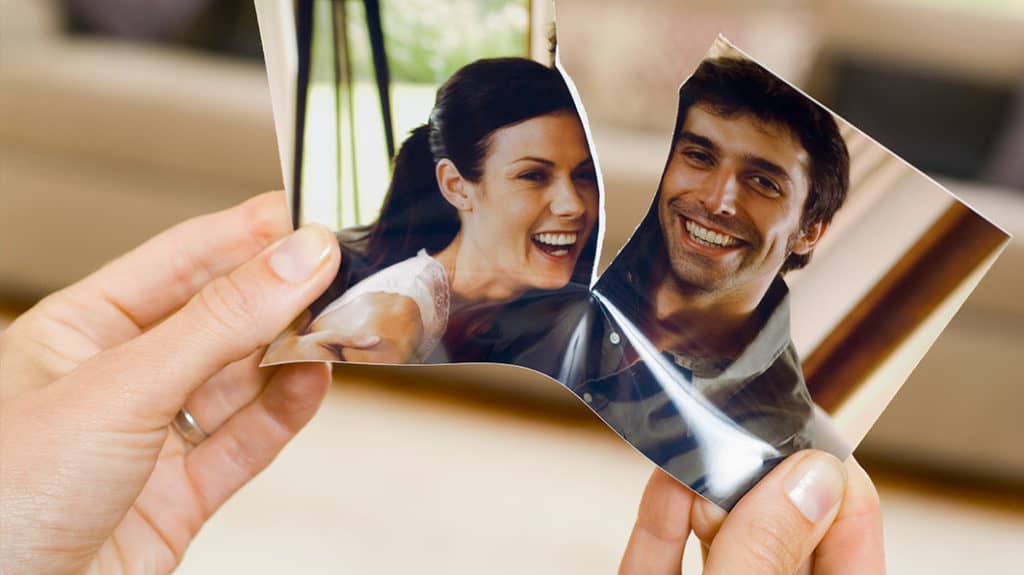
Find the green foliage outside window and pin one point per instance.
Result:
(425, 41)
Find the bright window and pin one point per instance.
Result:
(425, 41)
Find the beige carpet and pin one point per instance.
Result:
(384, 481)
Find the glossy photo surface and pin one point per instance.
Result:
(765, 303)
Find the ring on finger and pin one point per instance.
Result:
(188, 428)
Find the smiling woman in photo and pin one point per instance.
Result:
(494, 197)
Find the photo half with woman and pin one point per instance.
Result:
(491, 209)
(711, 343)
(493, 198)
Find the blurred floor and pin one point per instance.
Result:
(384, 481)
(422, 477)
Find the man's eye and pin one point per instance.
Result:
(699, 158)
(766, 185)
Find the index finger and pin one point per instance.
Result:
(662, 528)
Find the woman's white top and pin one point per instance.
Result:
(421, 278)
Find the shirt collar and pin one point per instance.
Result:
(770, 342)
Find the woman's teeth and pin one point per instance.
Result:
(708, 237)
(556, 244)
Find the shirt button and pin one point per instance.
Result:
(587, 397)
(614, 338)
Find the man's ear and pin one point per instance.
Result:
(453, 186)
(809, 238)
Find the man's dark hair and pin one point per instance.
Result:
(732, 87)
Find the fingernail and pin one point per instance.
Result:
(816, 486)
(713, 513)
(300, 255)
(367, 341)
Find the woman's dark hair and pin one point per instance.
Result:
(479, 99)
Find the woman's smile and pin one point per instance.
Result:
(556, 244)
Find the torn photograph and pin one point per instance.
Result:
(787, 274)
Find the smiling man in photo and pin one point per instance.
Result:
(692, 360)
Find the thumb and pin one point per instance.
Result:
(231, 317)
(777, 525)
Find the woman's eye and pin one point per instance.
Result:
(533, 176)
(589, 177)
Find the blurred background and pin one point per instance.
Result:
(119, 118)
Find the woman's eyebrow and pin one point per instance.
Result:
(544, 161)
(587, 163)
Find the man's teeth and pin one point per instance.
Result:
(709, 237)
(556, 239)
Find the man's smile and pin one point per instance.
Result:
(708, 236)
(707, 241)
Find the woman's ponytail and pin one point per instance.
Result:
(414, 215)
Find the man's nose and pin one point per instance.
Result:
(721, 197)
(566, 201)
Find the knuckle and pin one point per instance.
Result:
(239, 455)
(266, 219)
(188, 271)
(774, 547)
(287, 403)
(30, 324)
(229, 304)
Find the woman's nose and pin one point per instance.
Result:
(567, 202)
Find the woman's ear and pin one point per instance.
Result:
(809, 238)
(453, 186)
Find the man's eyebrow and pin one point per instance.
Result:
(758, 162)
(767, 166)
(544, 161)
(699, 140)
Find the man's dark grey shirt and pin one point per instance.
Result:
(717, 425)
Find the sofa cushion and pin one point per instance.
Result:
(154, 107)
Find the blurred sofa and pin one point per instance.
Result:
(958, 413)
(105, 142)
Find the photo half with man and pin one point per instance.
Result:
(788, 275)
